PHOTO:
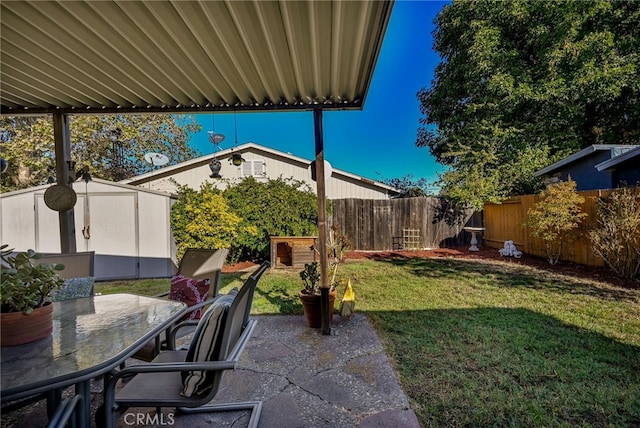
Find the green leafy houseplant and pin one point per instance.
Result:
(25, 285)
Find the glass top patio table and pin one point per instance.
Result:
(91, 336)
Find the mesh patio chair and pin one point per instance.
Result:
(222, 333)
(200, 263)
(77, 273)
(76, 265)
(196, 264)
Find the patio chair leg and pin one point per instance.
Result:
(254, 406)
(53, 401)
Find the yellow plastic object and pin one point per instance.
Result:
(348, 303)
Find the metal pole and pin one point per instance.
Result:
(322, 223)
(62, 143)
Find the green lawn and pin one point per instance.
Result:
(478, 343)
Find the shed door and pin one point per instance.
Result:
(113, 234)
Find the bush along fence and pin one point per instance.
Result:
(381, 225)
(505, 222)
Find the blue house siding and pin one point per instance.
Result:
(625, 168)
(584, 172)
(600, 166)
(628, 172)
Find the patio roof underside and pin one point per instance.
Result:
(171, 56)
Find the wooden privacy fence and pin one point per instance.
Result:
(372, 224)
(505, 221)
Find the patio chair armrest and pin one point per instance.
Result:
(174, 367)
(172, 332)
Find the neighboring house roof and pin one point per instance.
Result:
(624, 157)
(616, 150)
(202, 160)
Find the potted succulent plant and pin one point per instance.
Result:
(26, 313)
(337, 244)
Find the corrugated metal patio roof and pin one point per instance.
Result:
(193, 55)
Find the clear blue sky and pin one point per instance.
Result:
(377, 142)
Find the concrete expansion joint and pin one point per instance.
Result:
(313, 394)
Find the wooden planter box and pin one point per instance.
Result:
(292, 252)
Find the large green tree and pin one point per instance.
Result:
(110, 146)
(522, 84)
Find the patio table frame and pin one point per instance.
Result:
(94, 334)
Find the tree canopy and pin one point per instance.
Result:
(203, 219)
(275, 207)
(112, 147)
(409, 187)
(522, 84)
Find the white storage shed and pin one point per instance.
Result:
(126, 226)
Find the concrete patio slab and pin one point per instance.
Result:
(306, 379)
(303, 378)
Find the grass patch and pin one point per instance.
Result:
(477, 343)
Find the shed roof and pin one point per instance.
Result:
(120, 185)
(614, 148)
(187, 55)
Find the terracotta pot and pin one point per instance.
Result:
(18, 328)
(311, 306)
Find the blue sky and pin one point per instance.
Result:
(377, 142)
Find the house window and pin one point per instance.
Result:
(253, 168)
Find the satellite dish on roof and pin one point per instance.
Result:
(156, 159)
(216, 138)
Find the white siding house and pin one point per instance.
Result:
(126, 226)
(262, 163)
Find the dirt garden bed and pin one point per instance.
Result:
(598, 273)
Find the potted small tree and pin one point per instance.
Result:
(26, 312)
(310, 295)
(337, 244)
